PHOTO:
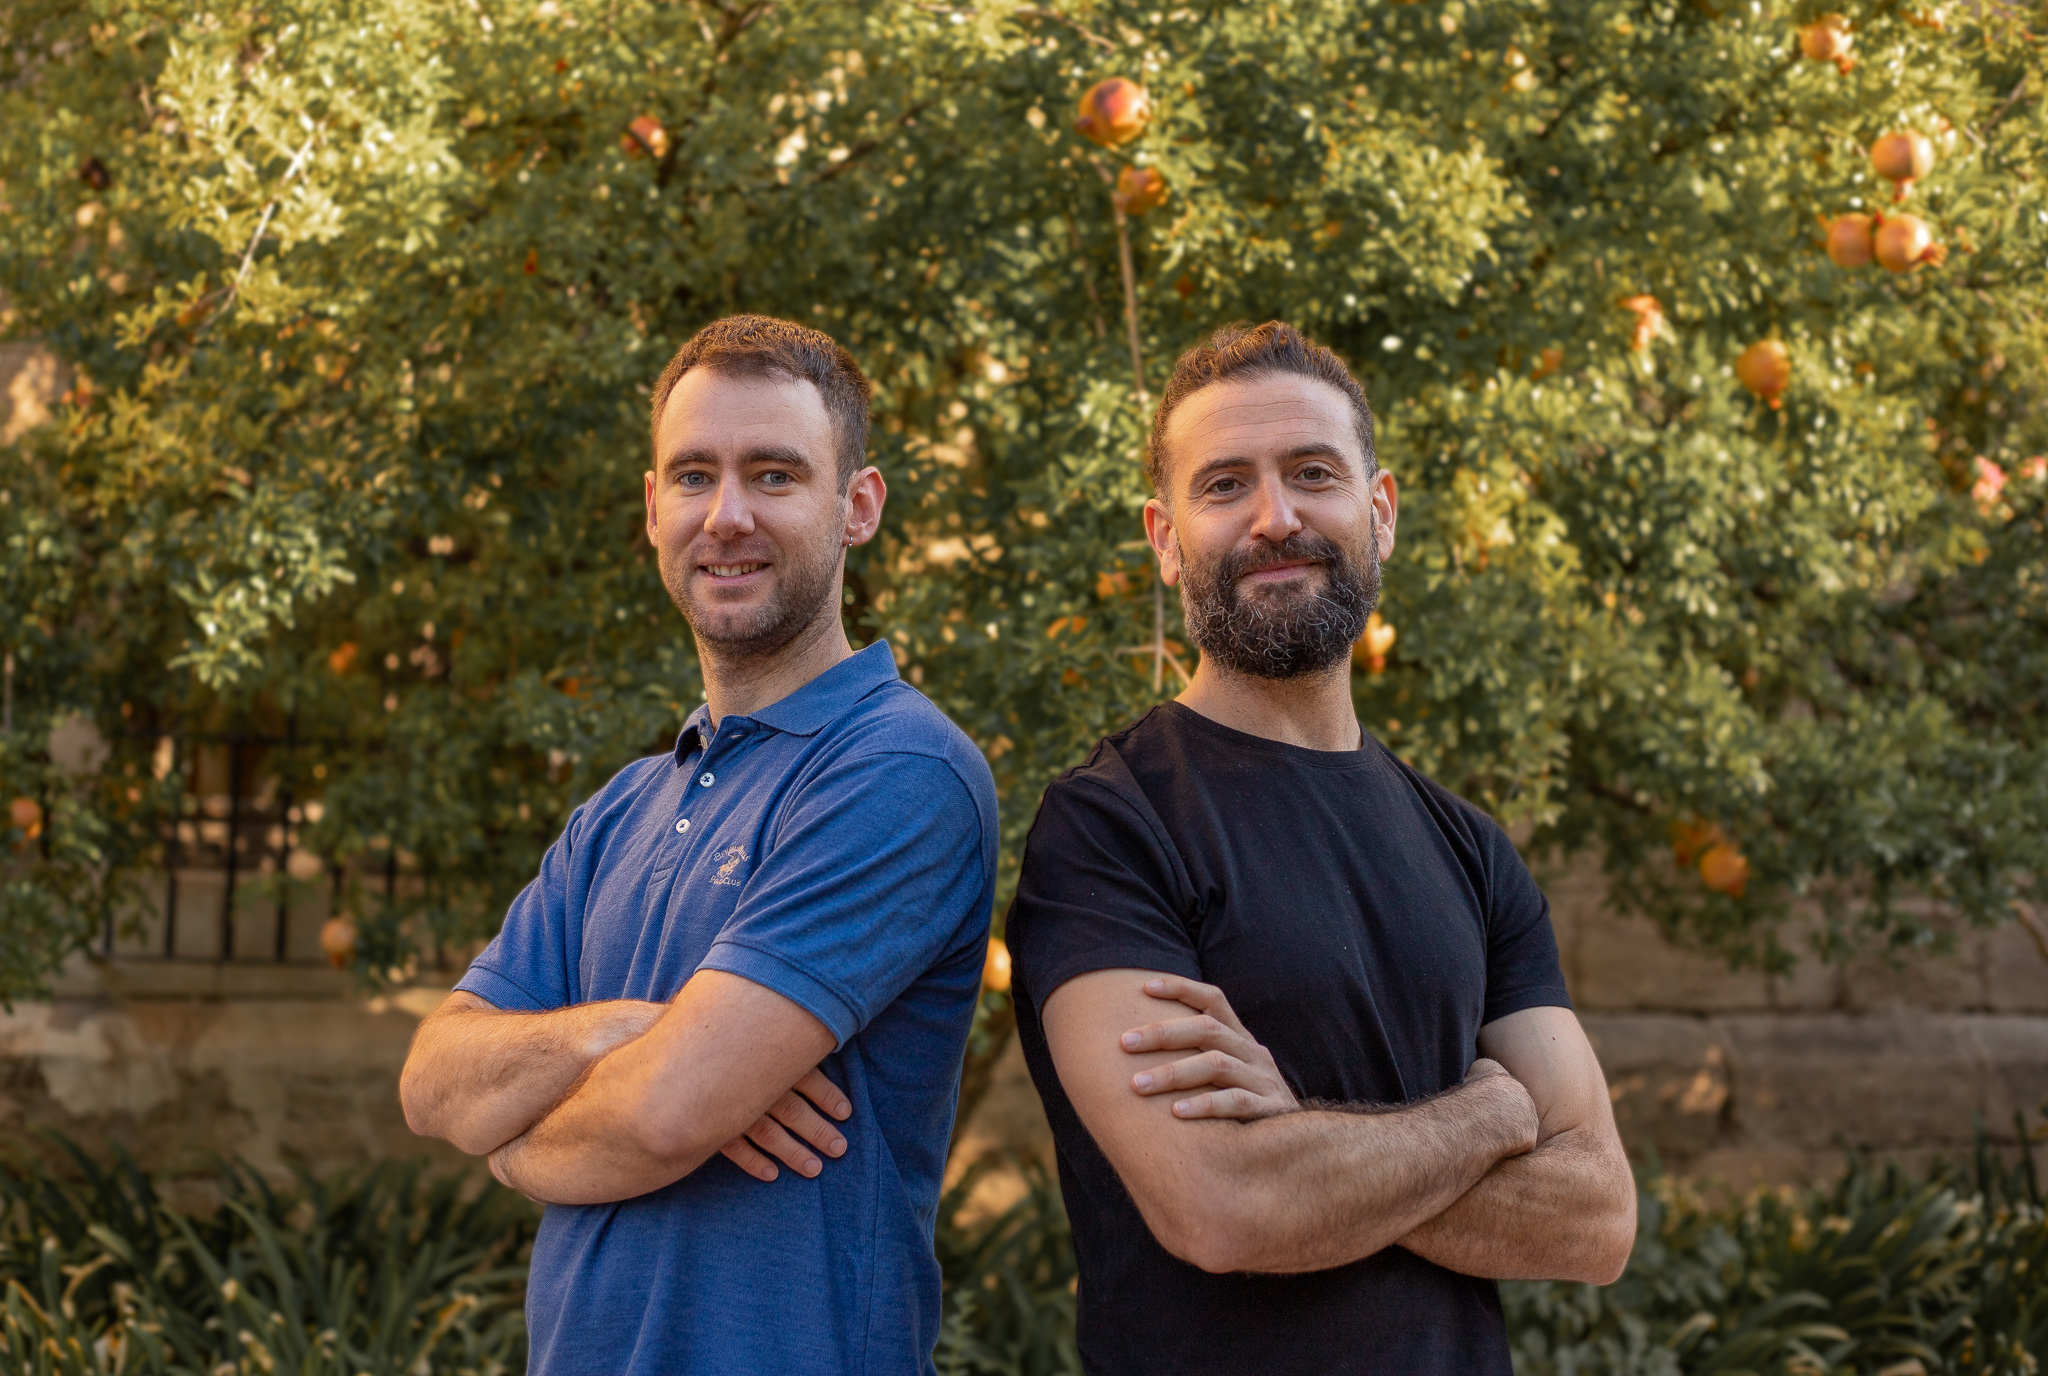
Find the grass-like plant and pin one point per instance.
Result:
(381, 1271)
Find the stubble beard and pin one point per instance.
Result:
(806, 587)
(1283, 632)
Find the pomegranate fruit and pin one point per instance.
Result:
(1113, 112)
(338, 940)
(995, 970)
(27, 815)
(1370, 653)
(1139, 189)
(1849, 241)
(1765, 367)
(1690, 840)
(645, 135)
(1828, 39)
(1903, 242)
(1725, 869)
(1903, 157)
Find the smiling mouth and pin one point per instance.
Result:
(1279, 570)
(732, 570)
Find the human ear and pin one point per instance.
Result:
(1386, 507)
(1159, 532)
(653, 521)
(865, 496)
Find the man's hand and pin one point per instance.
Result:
(1292, 1191)
(707, 1074)
(1248, 1085)
(788, 1125)
(1565, 1210)
(480, 1076)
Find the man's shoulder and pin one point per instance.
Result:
(1106, 777)
(896, 719)
(1451, 809)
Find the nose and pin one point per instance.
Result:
(730, 516)
(1273, 516)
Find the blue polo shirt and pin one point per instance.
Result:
(839, 848)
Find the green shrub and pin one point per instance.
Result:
(1880, 1274)
(380, 1272)
(373, 1271)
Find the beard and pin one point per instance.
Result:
(806, 587)
(1281, 633)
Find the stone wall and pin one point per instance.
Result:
(1736, 1076)
(1749, 1079)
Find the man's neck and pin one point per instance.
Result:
(1314, 711)
(747, 683)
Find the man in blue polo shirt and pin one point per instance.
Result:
(761, 948)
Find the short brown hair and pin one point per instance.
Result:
(1242, 350)
(761, 346)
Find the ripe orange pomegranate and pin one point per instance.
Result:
(1113, 112)
(1828, 39)
(27, 814)
(1849, 241)
(338, 940)
(1725, 869)
(1139, 189)
(995, 970)
(1903, 157)
(1690, 840)
(1904, 242)
(1370, 653)
(645, 135)
(1765, 367)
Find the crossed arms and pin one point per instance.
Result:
(606, 1101)
(1518, 1173)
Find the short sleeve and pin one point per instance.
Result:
(1522, 969)
(879, 871)
(529, 963)
(1098, 891)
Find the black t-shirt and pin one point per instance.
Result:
(1364, 924)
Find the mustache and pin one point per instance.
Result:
(1302, 545)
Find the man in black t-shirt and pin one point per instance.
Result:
(1295, 1011)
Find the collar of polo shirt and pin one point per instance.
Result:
(811, 708)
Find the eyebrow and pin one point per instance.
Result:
(1318, 449)
(781, 455)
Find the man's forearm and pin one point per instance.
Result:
(1310, 1190)
(1565, 1211)
(480, 1076)
(659, 1106)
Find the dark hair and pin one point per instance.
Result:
(759, 346)
(1241, 350)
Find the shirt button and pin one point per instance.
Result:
(682, 825)
(706, 779)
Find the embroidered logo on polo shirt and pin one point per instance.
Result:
(730, 859)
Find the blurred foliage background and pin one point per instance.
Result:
(362, 300)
